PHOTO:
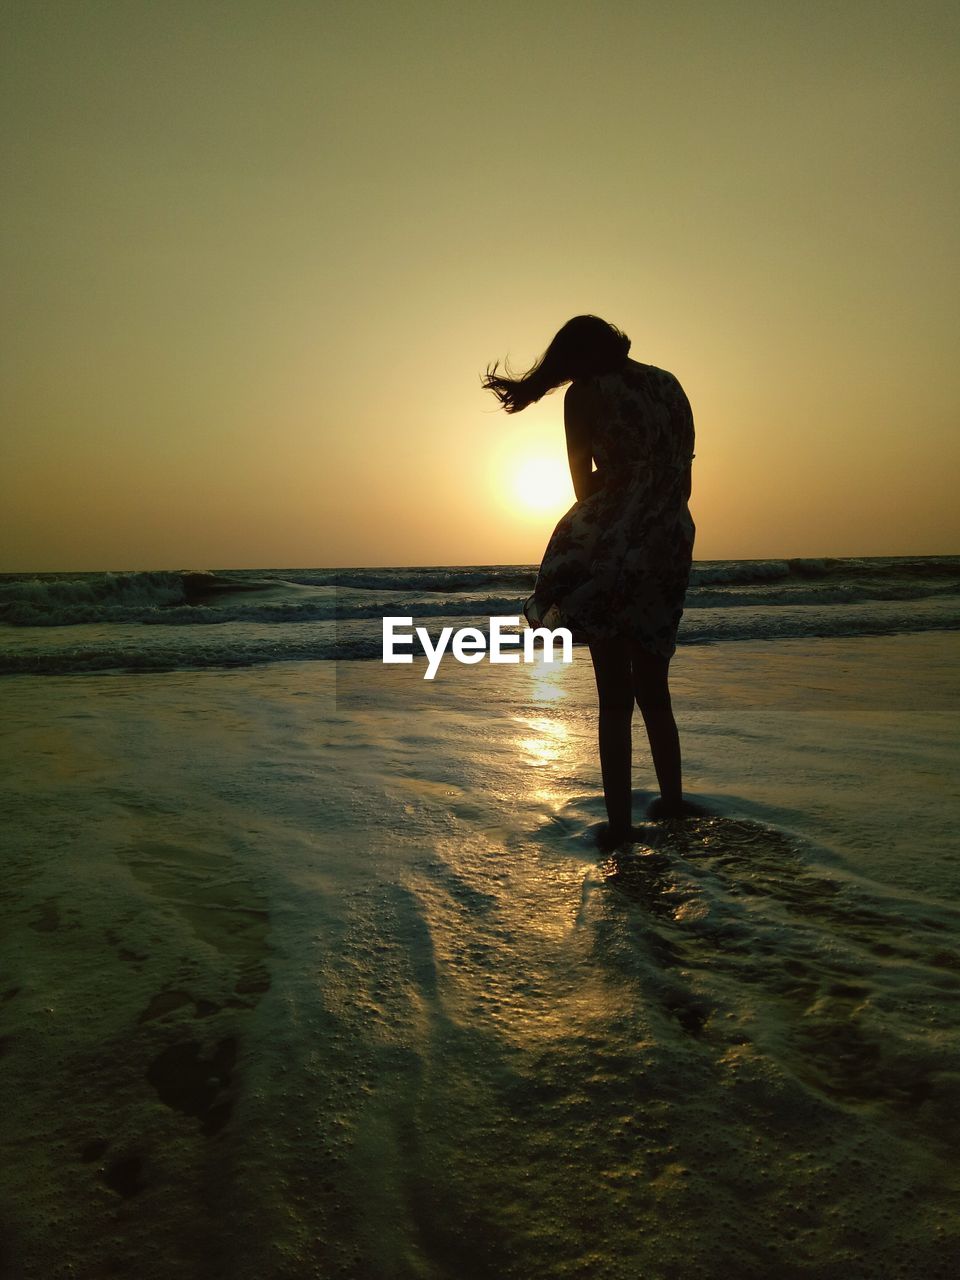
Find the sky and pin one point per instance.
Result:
(257, 255)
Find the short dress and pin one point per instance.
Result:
(618, 563)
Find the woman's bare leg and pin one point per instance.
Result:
(613, 670)
(652, 691)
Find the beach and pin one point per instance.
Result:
(349, 350)
(313, 968)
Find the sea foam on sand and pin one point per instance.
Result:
(311, 972)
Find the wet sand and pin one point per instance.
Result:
(315, 972)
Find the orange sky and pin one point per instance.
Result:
(256, 256)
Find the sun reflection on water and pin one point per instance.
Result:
(547, 742)
(546, 681)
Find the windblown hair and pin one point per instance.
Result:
(584, 347)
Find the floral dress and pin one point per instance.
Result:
(618, 562)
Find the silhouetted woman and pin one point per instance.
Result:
(616, 568)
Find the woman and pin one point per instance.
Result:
(616, 569)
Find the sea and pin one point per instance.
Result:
(313, 968)
(54, 623)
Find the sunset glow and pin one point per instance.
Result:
(542, 484)
(255, 268)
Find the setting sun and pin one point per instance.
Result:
(542, 484)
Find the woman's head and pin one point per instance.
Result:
(584, 347)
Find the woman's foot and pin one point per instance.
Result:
(613, 837)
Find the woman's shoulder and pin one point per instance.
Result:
(633, 376)
(649, 372)
(660, 384)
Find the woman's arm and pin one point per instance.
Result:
(576, 421)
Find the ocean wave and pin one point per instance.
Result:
(56, 600)
(60, 600)
(334, 608)
(705, 572)
(339, 608)
(719, 572)
(807, 569)
(812, 594)
(440, 580)
(192, 598)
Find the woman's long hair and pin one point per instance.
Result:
(584, 347)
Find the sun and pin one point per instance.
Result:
(542, 484)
